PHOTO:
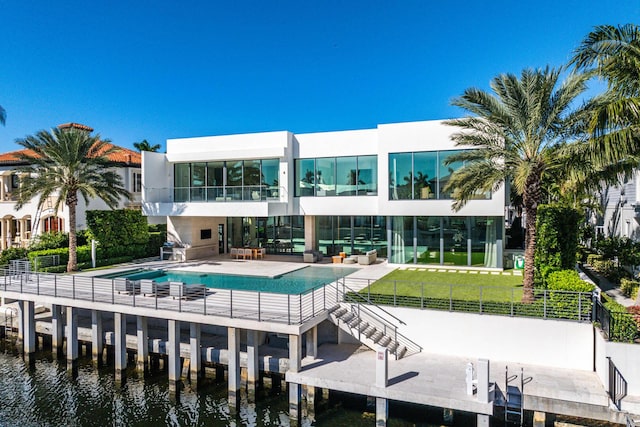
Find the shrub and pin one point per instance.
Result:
(45, 241)
(567, 305)
(568, 280)
(120, 232)
(11, 254)
(622, 325)
(591, 258)
(557, 230)
(84, 254)
(629, 287)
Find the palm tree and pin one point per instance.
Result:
(144, 145)
(613, 53)
(516, 133)
(3, 115)
(67, 163)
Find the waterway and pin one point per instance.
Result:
(44, 393)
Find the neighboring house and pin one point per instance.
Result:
(345, 191)
(621, 205)
(17, 228)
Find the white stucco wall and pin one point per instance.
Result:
(625, 356)
(553, 343)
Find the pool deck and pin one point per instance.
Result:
(274, 265)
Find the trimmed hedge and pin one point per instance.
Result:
(622, 325)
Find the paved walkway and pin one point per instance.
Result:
(439, 380)
(611, 289)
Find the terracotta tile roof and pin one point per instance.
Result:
(120, 155)
(75, 126)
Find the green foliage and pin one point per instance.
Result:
(155, 242)
(622, 325)
(568, 280)
(84, 254)
(119, 232)
(557, 236)
(623, 249)
(591, 258)
(12, 253)
(53, 240)
(629, 287)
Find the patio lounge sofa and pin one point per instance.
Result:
(186, 290)
(151, 287)
(368, 258)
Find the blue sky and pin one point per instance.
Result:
(165, 69)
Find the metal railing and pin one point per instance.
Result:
(616, 325)
(547, 304)
(197, 299)
(375, 315)
(617, 384)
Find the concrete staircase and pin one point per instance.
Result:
(367, 329)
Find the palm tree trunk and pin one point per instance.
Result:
(530, 198)
(72, 265)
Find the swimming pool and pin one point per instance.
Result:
(295, 282)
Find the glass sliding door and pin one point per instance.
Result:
(326, 176)
(215, 181)
(347, 176)
(455, 240)
(270, 179)
(402, 240)
(428, 229)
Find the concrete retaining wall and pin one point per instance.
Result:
(532, 341)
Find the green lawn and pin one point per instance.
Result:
(459, 286)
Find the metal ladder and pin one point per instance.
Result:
(513, 398)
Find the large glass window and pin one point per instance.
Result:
(347, 176)
(181, 181)
(422, 175)
(368, 175)
(305, 177)
(326, 176)
(455, 240)
(215, 181)
(337, 176)
(227, 180)
(270, 179)
(400, 176)
(445, 173)
(425, 167)
(198, 176)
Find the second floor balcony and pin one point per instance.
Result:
(213, 194)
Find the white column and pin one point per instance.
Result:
(233, 350)
(29, 333)
(97, 337)
(382, 380)
(312, 342)
(195, 367)
(142, 356)
(72, 334)
(173, 351)
(57, 330)
(295, 390)
(253, 372)
(120, 335)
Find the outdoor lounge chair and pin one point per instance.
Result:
(186, 290)
(124, 285)
(151, 287)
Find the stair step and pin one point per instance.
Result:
(340, 312)
(363, 326)
(401, 352)
(392, 346)
(346, 318)
(376, 336)
(355, 322)
(384, 341)
(334, 308)
(370, 330)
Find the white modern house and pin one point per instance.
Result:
(17, 227)
(346, 191)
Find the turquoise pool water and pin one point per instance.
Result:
(295, 282)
